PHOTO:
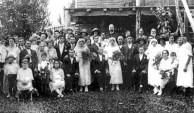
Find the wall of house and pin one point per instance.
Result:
(123, 3)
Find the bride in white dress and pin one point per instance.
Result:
(114, 66)
(153, 73)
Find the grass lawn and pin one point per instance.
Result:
(106, 102)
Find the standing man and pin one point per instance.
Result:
(28, 52)
(21, 44)
(62, 48)
(129, 50)
(72, 42)
(112, 32)
(56, 35)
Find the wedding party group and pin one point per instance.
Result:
(65, 62)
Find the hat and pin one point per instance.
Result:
(162, 37)
(84, 31)
(95, 29)
(141, 39)
(69, 28)
(11, 56)
(28, 41)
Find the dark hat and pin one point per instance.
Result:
(49, 41)
(162, 37)
(141, 39)
(84, 31)
(95, 29)
(11, 56)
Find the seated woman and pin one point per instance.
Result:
(164, 70)
(57, 78)
(44, 72)
(24, 77)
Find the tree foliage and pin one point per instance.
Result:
(23, 17)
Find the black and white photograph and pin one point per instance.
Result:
(96, 56)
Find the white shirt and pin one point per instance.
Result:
(129, 45)
(29, 52)
(100, 57)
(71, 60)
(61, 46)
(3, 53)
(140, 56)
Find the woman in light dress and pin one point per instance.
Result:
(164, 66)
(12, 49)
(114, 66)
(84, 66)
(185, 69)
(153, 73)
(57, 79)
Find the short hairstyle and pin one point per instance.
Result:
(166, 52)
(172, 54)
(141, 47)
(21, 38)
(44, 34)
(58, 62)
(71, 50)
(95, 36)
(43, 54)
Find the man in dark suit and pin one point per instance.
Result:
(21, 44)
(62, 48)
(112, 32)
(139, 73)
(71, 70)
(129, 50)
(99, 69)
(27, 52)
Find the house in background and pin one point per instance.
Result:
(124, 14)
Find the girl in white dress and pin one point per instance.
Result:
(185, 69)
(114, 66)
(84, 66)
(153, 73)
(57, 78)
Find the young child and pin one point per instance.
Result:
(11, 70)
(44, 72)
(57, 78)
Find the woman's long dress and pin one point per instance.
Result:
(185, 79)
(114, 66)
(84, 70)
(153, 74)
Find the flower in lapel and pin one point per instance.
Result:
(144, 57)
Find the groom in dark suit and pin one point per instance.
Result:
(139, 73)
(62, 48)
(129, 50)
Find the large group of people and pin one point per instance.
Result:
(70, 63)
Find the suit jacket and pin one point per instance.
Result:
(94, 48)
(128, 55)
(99, 65)
(70, 68)
(34, 57)
(64, 53)
(139, 66)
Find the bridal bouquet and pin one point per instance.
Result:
(157, 60)
(117, 55)
(86, 55)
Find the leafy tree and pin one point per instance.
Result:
(23, 17)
